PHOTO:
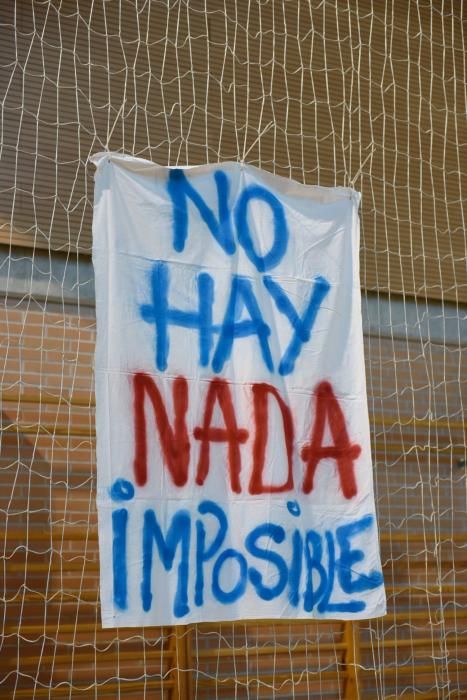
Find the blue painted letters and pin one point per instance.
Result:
(119, 524)
(242, 296)
(301, 326)
(306, 568)
(179, 533)
(203, 553)
(180, 190)
(280, 230)
(277, 534)
(240, 587)
(349, 557)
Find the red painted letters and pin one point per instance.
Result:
(261, 394)
(219, 391)
(327, 408)
(175, 443)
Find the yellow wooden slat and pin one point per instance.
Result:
(396, 422)
(47, 429)
(67, 599)
(403, 616)
(76, 658)
(280, 678)
(73, 533)
(111, 689)
(269, 649)
(407, 616)
(275, 680)
(454, 640)
(62, 566)
(315, 647)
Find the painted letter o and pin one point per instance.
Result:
(239, 589)
(281, 233)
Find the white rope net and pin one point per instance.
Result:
(369, 94)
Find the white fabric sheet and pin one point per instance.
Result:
(233, 446)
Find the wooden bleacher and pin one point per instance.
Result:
(51, 619)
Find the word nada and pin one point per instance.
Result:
(175, 443)
(315, 571)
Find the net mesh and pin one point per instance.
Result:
(369, 94)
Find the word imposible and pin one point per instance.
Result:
(175, 444)
(306, 565)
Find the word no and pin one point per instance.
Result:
(180, 191)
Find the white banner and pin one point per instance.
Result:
(233, 447)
